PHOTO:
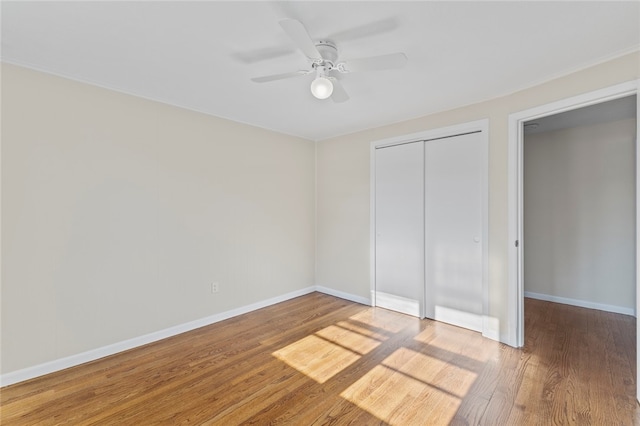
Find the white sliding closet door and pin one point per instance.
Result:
(453, 208)
(399, 227)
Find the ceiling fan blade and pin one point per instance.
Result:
(366, 30)
(382, 62)
(300, 37)
(282, 76)
(258, 55)
(339, 95)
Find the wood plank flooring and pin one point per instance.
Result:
(318, 359)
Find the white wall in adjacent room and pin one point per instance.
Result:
(579, 213)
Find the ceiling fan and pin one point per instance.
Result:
(324, 60)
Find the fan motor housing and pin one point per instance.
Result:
(328, 50)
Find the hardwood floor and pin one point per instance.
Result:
(318, 359)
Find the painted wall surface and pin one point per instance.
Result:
(579, 213)
(343, 181)
(118, 213)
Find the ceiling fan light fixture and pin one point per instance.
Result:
(321, 87)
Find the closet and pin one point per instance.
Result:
(430, 226)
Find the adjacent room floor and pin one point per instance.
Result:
(318, 359)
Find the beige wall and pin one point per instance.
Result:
(343, 181)
(579, 211)
(118, 213)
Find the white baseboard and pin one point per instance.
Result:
(343, 295)
(459, 318)
(491, 328)
(581, 303)
(398, 303)
(92, 355)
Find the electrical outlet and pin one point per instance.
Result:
(215, 287)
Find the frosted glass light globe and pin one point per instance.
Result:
(321, 88)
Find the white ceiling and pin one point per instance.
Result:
(201, 55)
(617, 109)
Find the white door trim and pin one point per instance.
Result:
(637, 239)
(490, 328)
(515, 327)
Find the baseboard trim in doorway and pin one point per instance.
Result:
(581, 303)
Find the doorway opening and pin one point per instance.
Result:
(594, 102)
(578, 243)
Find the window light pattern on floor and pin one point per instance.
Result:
(403, 377)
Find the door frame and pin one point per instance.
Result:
(490, 328)
(515, 330)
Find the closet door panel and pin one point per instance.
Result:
(399, 223)
(453, 230)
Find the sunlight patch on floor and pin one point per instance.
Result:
(385, 321)
(426, 335)
(327, 352)
(357, 327)
(348, 339)
(316, 357)
(428, 370)
(399, 399)
(451, 338)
